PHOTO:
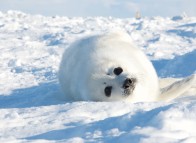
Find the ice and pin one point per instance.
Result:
(31, 108)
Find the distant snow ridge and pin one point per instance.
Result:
(31, 48)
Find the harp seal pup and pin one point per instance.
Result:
(109, 67)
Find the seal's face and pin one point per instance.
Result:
(128, 84)
(116, 85)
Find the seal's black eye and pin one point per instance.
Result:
(108, 91)
(118, 71)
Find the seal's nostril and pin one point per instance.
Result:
(128, 83)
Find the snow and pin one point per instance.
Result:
(31, 109)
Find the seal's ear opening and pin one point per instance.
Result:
(108, 91)
(118, 71)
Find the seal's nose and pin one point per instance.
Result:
(128, 83)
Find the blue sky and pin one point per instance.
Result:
(115, 8)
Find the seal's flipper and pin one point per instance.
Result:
(177, 88)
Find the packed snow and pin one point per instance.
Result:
(32, 110)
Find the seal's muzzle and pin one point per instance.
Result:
(128, 86)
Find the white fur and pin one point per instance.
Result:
(86, 64)
(177, 87)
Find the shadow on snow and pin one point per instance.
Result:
(42, 95)
(180, 66)
(88, 131)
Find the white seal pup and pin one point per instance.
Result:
(109, 67)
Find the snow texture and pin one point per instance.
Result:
(31, 109)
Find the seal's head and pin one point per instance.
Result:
(114, 85)
(127, 86)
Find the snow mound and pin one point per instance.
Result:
(30, 107)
